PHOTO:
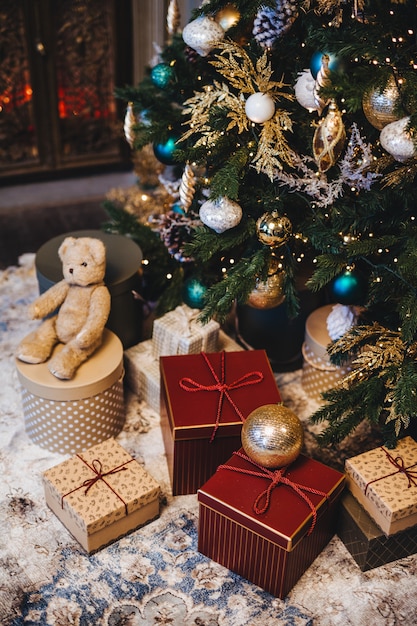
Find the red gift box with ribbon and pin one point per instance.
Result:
(204, 400)
(268, 526)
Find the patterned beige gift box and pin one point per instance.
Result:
(384, 482)
(319, 374)
(67, 416)
(101, 494)
(142, 369)
(180, 332)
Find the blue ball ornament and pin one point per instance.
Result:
(162, 75)
(349, 287)
(315, 63)
(165, 152)
(193, 293)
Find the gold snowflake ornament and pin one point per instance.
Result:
(242, 76)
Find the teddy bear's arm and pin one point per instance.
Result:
(49, 300)
(98, 314)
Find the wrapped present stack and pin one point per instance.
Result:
(178, 332)
(205, 398)
(263, 519)
(378, 517)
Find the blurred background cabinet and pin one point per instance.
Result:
(59, 63)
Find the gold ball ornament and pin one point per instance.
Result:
(379, 107)
(272, 436)
(273, 229)
(268, 293)
(227, 17)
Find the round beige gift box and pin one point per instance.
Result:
(68, 416)
(319, 374)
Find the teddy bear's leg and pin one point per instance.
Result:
(65, 363)
(38, 345)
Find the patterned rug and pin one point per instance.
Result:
(155, 576)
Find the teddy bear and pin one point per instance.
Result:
(78, 308)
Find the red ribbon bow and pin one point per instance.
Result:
(276, 477)
(97, 467)
(251, 378)
(398, 462)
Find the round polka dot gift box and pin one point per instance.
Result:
(68, 416)
(319, 374)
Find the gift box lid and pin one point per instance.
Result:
(98, 373)
(387, 478)
(317, 336)
(100, 485)
(123, 261)
(192, 413)
(288, 518)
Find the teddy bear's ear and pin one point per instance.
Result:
(68, 241)
(97, 250)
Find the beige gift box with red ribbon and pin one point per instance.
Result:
(101, 494)
(384, 482)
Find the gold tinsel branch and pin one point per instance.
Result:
(238, 70)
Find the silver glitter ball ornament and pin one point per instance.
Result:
(272, 435)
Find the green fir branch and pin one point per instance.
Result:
(236, 286)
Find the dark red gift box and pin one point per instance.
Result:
(196, 442)
(274, 548)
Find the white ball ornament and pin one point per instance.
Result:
(259, 107)
(397, 141)
(202, 34)
(221, 214)
(304, 91)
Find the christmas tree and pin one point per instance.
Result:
(288, 133)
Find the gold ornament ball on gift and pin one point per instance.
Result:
(273, 229)
(272, 435)
(379, 107)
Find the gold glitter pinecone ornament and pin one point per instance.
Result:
(272, 435)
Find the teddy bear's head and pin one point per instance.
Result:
(83, 260)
